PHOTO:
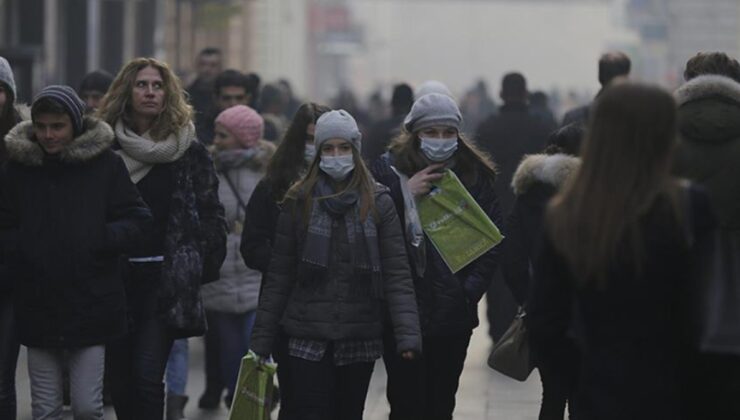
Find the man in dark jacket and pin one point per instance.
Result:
(68, 211)
(208, 67)
(231, 88)
(382, 132)
(508, 136)
(611, 65)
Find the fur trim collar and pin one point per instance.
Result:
(549, 169)
(23, 148)
(708, 86)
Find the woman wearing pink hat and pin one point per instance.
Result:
(241, 157)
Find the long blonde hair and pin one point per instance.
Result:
(176, 112)
(361, 180)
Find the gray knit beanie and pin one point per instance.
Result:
(337, 125)
(6, 75)
(68, 99)
(433, 109)
(433, 86)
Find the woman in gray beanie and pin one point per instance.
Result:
(431, 142)
(338, 264)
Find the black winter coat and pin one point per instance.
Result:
(333, 310)
(508, 137)
(634, 333)
(536, 180)
(260, 221)
(448, 302)
(66, 221)
(5, 281)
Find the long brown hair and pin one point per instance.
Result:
(361, 180)
(471, 161)
(287, 163)
(625, 169)
(116, 104)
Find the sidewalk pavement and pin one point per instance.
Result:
(483, 394)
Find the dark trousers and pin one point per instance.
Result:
(559, 379)
(214, 382)
(425, 388)
(280, 354)
(9, 347)
(323, 391)
(234, 332)
(138, 361)
(501, 306)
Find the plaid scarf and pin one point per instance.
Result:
(362, 236)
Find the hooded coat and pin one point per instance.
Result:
(65, 221)
(709, 146)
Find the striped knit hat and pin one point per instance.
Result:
(68, 99)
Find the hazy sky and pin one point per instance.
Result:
(552, 43)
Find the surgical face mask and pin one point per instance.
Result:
(309, 153)
(438, 150)
(337, 167)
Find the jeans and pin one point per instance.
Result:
(86, 367)
(176, 376)
(233, 332)
(327, 392)
(138, 361)
(9, 347)
(425, 388)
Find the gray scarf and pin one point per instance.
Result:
(362, 236)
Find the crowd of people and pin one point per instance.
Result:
(136, 213)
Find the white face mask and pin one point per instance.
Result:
(438, 150)
(337, 167)
(309, 153)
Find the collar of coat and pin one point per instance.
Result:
(549, 169)
(708, 86)
(23, 148)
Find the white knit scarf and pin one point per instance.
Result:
(140, 153)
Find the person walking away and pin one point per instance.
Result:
(616, 270)
(241, 157)
(289, 164)
(338, 264)
(68, 211)
(508, 136)
(708, 152)
(186, 245)
(431, 142)
(382, 132)
(208, 66)
(9, 345)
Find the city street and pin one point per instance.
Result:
(484, 394)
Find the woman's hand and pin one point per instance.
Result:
(408, 355)
(421, 183)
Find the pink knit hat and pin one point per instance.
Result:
(244, 123)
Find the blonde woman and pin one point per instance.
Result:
(185, 246)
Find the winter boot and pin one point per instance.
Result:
(176, 406)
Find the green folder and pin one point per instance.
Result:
(459, 229)
(253, 394)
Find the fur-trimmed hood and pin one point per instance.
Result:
(709, 109)
(548, 169)
(23, 148)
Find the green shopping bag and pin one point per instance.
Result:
(459, 229)
(253, 394)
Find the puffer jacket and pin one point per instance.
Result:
(709, 146)
(238, 287)
(65, 222)
(333, 310)
(448, 303)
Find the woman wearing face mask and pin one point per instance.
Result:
(241, 157)
(185, 246)
(338, 263)
(289, 164)
(430, 143)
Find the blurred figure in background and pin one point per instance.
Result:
(93, 87)
(292, 103)
(611, 65)
(539, 106)
(508, 137)
(207, 66)
(709, 152)
(477, 106)
(230, 88)
(382, 132)
(273, 101)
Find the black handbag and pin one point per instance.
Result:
(510, 355)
